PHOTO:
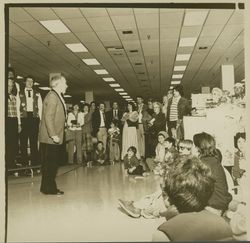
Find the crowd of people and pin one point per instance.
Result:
(147, 138)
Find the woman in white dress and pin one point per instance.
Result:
(129, 135)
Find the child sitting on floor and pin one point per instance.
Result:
(114, 139)
(185, 147)
(132, 164)
(155, 164)
(99, 156)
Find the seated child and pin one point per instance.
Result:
(185, 147)
(132, 164)
(99, 155)
(114, 139)
(154, 164)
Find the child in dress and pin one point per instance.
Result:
(114, 139)
(99, 156)
(132, 164)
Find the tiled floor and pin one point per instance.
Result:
(87, 212)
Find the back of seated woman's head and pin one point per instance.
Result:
(189, 184)
(206, 144)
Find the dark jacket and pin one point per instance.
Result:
(159, 124)
(96, 121)
(110, 118)
(220, 197)
(183, 107)
(87, 127)
(129, 163)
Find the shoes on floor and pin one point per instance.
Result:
(129, 208)
(57, 192)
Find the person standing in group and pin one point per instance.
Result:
(12, 124)
(75, 122)
(51, 133)
(177, 108)
(114, 114)
(87, 143)
(99, 124)
(31, 112)
(143, 116)
(129, 134)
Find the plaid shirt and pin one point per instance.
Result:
(12, 109)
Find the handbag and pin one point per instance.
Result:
(69, 135)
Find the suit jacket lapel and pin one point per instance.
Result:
(65, 113)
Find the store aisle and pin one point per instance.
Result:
(87, 212)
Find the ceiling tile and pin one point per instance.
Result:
(107, 35)
(147, 21)
(171, 19)
(15, 30)
(39, 13)
(119, 11)
(237, 17)
(68, 13)
(128, 37)
(94, 12)
(67, 38)
(34, 28)
(149, 34)
(190, 31)
(169, 33)
(124, 22)
(78, 25)
(211, 30)
(48, 39)
(146, 11)
(218, 17)
(87, 37)
(101, 23)
(18, 15)
(232, 30)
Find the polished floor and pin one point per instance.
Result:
(87, 212)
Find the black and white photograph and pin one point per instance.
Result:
(124, 121)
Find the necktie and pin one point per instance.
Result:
(29, 93)
(115, 114)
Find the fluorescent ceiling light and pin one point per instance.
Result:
(77, 47)
(171, 87)
(187, 41)
(67, 96)
(19, 77)
(177, 76)
(179, 68)
(55, 26)
(45, 88)
(119, 90)
(101, 71)
(36, 83)
(129, 99)
(114, 85)
(183, 57)
(91, 61)
(82, 101)
(176, 82)
(195, 18)
(108, 79)
(126, 96)
(123, 93)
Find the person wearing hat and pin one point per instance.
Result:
(154, 164)
(75, 121)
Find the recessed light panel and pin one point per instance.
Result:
(123, 93)
(177, 76)
(77, 47)
(55, 26)
(19, 77)
(67, 96)
(108, 79)
(180, 68)
(195, 18)
(91, 61)
(119, 90)
(126, 97)
(183, 57)
(101, 71)
(45, 88)
(176, 82)
(114, 85)
(187, 41)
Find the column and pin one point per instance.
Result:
(227, 81)
(89, 96)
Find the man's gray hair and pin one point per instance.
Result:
(55, 80)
